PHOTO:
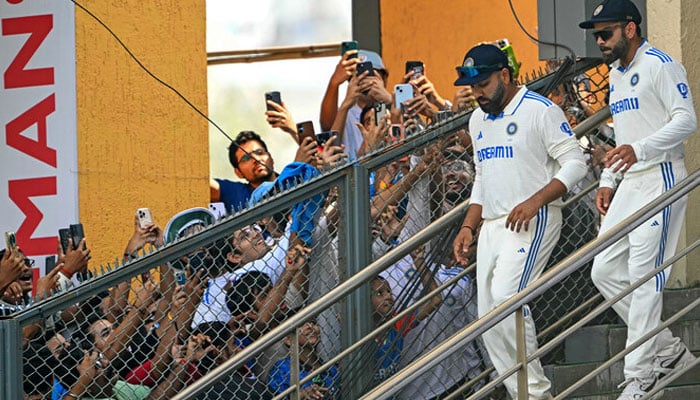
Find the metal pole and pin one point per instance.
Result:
(294, 360)
(358, 322)
(521, 353)
(11, 363)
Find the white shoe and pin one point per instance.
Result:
(665, 365)
(636, 388)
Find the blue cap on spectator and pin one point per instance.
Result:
(613, 10)
(479, 63)
(179, 223)
(374, 58)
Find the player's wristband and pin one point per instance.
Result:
(473, 231)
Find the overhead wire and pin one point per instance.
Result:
(167, 85)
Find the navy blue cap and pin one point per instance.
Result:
(479, 63)
(613, 10)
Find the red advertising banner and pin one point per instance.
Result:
(38, 151)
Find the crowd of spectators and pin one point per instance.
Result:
(150, 338)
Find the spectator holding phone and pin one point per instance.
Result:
(390, 344)
(363, 90)
(322, 386)
(252, 162)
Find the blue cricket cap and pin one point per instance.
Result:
(479, 63)
(613, 10)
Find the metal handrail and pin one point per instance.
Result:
(535, 289)
(323, 302)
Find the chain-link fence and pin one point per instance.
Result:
(204, 292)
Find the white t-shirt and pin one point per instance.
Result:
(213, 306)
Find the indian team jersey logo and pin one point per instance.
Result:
(683, 90)
(410, 273)
(512, 128)
(566, 128)
(635, 80)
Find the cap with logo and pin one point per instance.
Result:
(613, 10)
(374, 58)
(479, 63)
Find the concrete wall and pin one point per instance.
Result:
(440, 33)
(672, 27)
(139, 145)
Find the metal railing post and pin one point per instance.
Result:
(11, 363)
(521, 353)
(294, 361)
(358, 321)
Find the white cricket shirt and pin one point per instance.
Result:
(516, 152)
(652, 108)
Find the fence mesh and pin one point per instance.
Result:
(156, 333)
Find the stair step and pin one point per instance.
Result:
(686, 392)
(563, 376)
(676, 299)
(600, 342)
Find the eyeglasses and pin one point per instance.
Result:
(249, 156)
(474, 70)
(606, 33)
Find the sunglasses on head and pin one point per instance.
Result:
(474, 70)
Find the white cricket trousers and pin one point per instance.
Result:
(641, 251)
(506, 263)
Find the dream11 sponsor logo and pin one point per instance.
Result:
(32, 120)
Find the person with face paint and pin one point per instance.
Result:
(653, 114)
(526, 157)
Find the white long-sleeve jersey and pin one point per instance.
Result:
(520, 151)
(652, 109)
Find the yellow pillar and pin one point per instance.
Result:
(139, 145)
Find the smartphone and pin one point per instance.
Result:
(380, 111)
(416, 67)
(305, 129)
(144, 216)
(10, 240)
(347, 46)
(395, 130)
(180, 278)
(323, 137)
(49, 264)
(275, 97)
(64, 236)
(402, 92)
(77, 234)
(218, 209)
(365, 66)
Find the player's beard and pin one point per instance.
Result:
(617, 51)
(495, 102)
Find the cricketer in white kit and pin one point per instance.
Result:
(526, 157)
(653, 114)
